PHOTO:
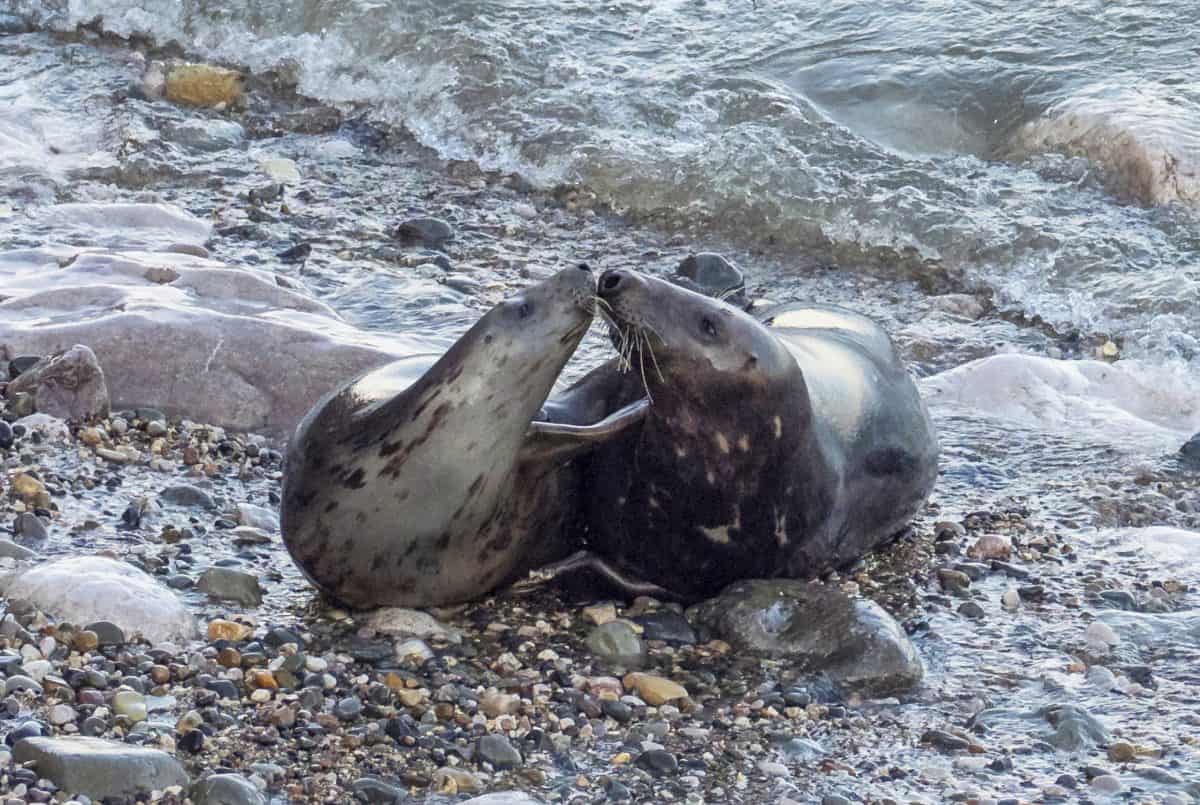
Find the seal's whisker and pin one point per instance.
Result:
(653, 357)
(631, 344)
(602, 303)
(642, 365)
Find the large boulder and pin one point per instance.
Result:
(99, 768)
(854, 642)
(68, 385)
(86, 589)
(187, 335)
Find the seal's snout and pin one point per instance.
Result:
(614, 281)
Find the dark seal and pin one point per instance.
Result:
(778, 445)
(426, 482)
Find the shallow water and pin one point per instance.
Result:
(780, 141)
(890, 137)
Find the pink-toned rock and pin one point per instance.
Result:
(189, 336)
(991, 546)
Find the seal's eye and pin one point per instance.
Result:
(708, 327)
(524, 310)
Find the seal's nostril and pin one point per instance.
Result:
(611, 280)
(584, 267)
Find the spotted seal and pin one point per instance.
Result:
(783, 444)
(426, 482)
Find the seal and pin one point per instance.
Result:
(782, 444)
(426, 482)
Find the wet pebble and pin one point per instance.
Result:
(617, 642)
(658, 761)
(349, 708)
(498, 751)
(666, 625)
(432, 233)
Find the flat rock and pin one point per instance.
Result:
(187, 495)
(821, 629)
(100, 768)
(85, 589)
(11, 550)
(68, 384)
(227, 584)
(244, 352)
(504, 798)
(401, 622)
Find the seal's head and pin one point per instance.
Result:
(536, 330)
(684, 342)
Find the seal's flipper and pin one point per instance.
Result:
(585, 560)
(546, 439)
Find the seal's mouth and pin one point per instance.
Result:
(575, 332)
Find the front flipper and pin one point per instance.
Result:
(546, 440)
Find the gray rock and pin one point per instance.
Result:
(666, 625)
(1191, 449)
(68, 384)
(1065, 726)
(497, 750)
(226, 789)
(819, 628)
(11, 550)
(100, 768)
(227, 584)
(616, 642)
(29, 526)
(21, 682)
(187, 495)
(711, 274)
(432, 233)
(107, 632)
(1074, 727)
(375, 790)
(349, 708)
(659, 762)
(504, 798)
